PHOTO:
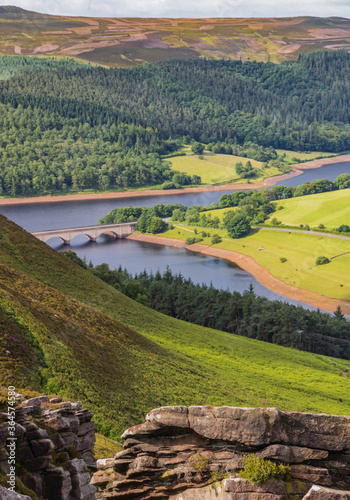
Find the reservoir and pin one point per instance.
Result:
(41, 216)
(137, 256)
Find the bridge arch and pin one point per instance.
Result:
(74, 236)
(48, 238)
(121, 230)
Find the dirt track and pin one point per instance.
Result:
(260, 273)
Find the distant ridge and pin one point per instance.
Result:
(125, 42)
(13, 12)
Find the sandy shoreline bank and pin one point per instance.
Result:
(269, 182)
(259, 272)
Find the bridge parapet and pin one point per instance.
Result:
(121, 230)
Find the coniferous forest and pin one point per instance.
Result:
(70, 126)
(244, 314)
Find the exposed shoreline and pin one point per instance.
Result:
(259, 272)
(269, 182)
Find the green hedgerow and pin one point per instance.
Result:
(258, 470)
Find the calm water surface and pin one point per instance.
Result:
(40, 216)
(137, 256)
(330, 172)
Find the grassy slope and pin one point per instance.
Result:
(301, 251)
(113, 41)
(126, 359)
(331, 209)
(216, 168)
(290, 156)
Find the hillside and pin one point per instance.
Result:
(63, 330)
(330, 209)
(125, 42)
(66, 127)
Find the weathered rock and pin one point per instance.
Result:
(326, 432)
(64, 440)
(87, 492)
(211, 492)
(3, 454)
(37, 434)
(38, 464)
(170, 416)
(105, 463)
(248, 426)
(24, 451)
(179, 451)
(56, 399)
(5, 466)
(145, 429)
(41, 447)
(3, 417)
(292, 454)
(36, 401)
(30, 426)
(19, 431)
(251, 426)
(86, 442)
(312, 474)
(80, 479)
(34, 482)
(6, 494)
(58, 424)
(319, 493)
(70, 426)
(58, 484)
(85, 428)
(102, 478)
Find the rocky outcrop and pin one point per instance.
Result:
(54, 443)
(182, 453)
(6, 494)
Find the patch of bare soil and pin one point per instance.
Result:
(91, 45)
(321, 34)
(292, 47)
(84, 31)
(67, 32)
(47, 47)
(322, 161)
(91, 22)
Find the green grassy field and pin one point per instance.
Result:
(70, 333)
(219, 168)
(301, 251)
(330, 209)
(302, 156)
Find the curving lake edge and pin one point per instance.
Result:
(259, 272)
(297, 170)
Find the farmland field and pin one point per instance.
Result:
(331, 209)
(302, 155)
(301, 251)
(219, 168)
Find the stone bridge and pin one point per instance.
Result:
(121, 230)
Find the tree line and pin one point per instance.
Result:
(69, 126)
(244, 314)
